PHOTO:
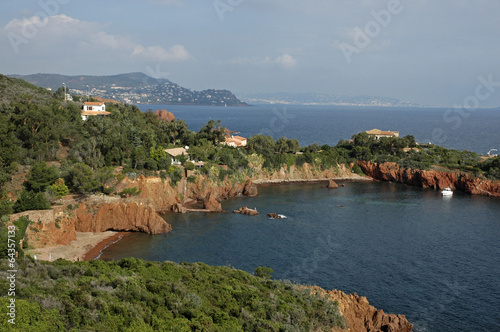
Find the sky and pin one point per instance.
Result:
(441, 52)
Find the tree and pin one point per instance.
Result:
(29, 200)
(59, 188)
(157, 153)
(261, 144)
(212, 131)
(82, 178)
(264, 272)
(41, 176)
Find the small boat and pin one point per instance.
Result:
(447, 191)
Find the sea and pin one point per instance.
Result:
(409, 250)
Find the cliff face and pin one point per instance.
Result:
(362, 317)
(306, 172)
(160, 193)
(431, 179)
(136, 216)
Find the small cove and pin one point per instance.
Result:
(406, 249)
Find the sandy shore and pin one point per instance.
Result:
(86, 246)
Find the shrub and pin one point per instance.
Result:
(59, 188)
(29, 200)
(264, 272)
(127, 192)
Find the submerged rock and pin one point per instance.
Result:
(247, 211)
(332, 184)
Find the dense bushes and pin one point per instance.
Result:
(135, 295)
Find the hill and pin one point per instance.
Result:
(14, 89)
(135, 295)
(307, 98)
(134, 88)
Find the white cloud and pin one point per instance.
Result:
(285, 60)
(158, 53)
(44, 35)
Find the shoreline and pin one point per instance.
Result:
(89, 246)
(262, 182)
(85, 247)
(96, 251)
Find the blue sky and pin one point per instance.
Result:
(422, 51)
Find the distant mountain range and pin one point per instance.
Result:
(134, 88)
(322, 99)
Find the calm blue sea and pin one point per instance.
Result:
(408, 250)
(477, 131)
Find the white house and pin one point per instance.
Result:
(94, 108)
(377, 133)
(175, 153)
(235, 141)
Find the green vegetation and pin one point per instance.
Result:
(135, 295)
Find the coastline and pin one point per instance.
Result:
(352, 178)
(87, 246)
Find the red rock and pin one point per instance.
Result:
(431, 179)
(361, 316)
(332, 184)
(120, 216)
(250, 189)
(212, 204)
(165, 115)
(245, 210)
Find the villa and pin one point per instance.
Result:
(94, 109)
(377, 133)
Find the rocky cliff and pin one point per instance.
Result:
(133, 216)
(363, 317)
(306, 172)
(139, 213)
(431, 179)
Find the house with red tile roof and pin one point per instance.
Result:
(377, 133)
(94, 109)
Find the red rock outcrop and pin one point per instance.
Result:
(250, 189)
(120, 216)
(332, 184)
(362, 317)
(159, 192)
(165, 115)
(245, 210)
(431, 179)
(212, 204)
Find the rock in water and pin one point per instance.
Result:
(247, 211)
(212, 204)
(332, 185)
(250, 189)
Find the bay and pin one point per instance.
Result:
(408, 250)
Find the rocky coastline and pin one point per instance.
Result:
(141, 213)
(436, 179)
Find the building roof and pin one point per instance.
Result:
(380, 132)
(95, 113)
(175, 152)
(93, 103)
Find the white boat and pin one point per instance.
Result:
(447, 191)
